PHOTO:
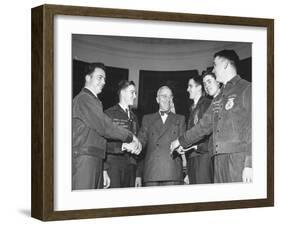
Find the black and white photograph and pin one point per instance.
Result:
(139, 113)
(160, 112)
(150, 112)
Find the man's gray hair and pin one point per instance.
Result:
(164, 87)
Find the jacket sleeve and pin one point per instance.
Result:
(106, 165)
(182, 126)
(247, 104)
(205, 105)
(202, 128)
(204, 143)
(112, 146)
(181, 132)
(97, 120)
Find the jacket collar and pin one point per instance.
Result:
(201, 99)
(164, 127)
(122, 109)
(117, 107)
(86, 90)
(157, 118)
(233, 81)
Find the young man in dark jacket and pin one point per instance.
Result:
(121, 164)
(230, 123)
(90, 129)
(199, 166)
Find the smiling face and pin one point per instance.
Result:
(129, 95)
(164, 99)
(194, 89)
(211, 85)
(96, 80)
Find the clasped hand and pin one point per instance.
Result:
(175, 146)
(134, 147)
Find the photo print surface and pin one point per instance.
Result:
(160, 112)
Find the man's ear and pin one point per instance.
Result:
(157, 99)
(122, 92)
(87, 78)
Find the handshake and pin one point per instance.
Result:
(134, 147)
(176, 147)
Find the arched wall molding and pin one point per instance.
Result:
(151, 54)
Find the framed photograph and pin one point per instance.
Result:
(148, 50)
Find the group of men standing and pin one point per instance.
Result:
(110, 149)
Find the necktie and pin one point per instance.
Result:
(127, 111)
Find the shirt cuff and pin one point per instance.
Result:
(105, 166)
(122, 147)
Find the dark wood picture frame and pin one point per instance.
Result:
(42, 203)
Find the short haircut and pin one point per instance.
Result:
(208, 72)
(92, 66)
(123, 84)
(230, 55)
(198, 80)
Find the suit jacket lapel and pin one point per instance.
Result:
(157, 123)
(167, 124)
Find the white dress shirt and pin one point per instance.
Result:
(163, 117)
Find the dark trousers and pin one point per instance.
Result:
(121, 171)
(200, 169)
(161, 183)
(87, 172)
(229, 167)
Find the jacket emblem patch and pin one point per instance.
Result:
(229, 104)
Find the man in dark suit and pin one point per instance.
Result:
(90, 129)
(158, 130)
